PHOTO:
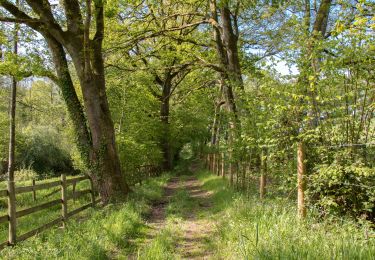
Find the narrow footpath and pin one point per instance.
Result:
(183, 210)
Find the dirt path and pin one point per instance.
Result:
(195, 230)
(158, 212)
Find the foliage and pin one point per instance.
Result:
(43, 152)
(25, 174)
(42, 129)
(253, 229)
(305, 79)
(344, 190)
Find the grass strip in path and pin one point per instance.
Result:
(184, 233)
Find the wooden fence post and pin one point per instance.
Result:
(263, 169)
(218, 164)
(12, 213)
(243, 184)
(64, 201)
(208, 161)
(34, 192)
(74, 191)
(231, 168)
(222, 165)
(93, 192)
(301, 171)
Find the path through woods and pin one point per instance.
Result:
(183, 211)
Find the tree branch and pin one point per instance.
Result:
(73, 16)
(43, 9)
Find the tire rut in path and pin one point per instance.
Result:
(157, 219)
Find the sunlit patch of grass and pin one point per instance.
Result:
(181, 204)
(250, 229)
(163, 245)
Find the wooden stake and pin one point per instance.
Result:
(301, 171)
(213, 163)
(93, 192)
(222, 165)
(12, 143)
(263, 173)
(34, 192)
(74, 191)
(218, 164)
(12, 213)
(64, 202)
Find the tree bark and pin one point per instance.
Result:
(164, 119)
(301, 172)
(12, 146)
(226, 40)
(223, 165)
(96, 136)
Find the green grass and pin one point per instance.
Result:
(250, 229)
(25, 200)
(163, 245)
(180, 205)
(246, 228)
(104, 233)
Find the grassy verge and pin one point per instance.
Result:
(110, 232)
(250, 229)
(25, 200)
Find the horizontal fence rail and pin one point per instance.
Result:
(63, 184)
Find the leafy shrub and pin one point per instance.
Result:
(43, 151)
(25, 174)
(344, 189)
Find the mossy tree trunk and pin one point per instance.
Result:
(93, 125)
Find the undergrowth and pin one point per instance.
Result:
(102, 233)
(251, 229)
(37, 219)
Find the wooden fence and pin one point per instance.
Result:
(215, 162)
(63, 183)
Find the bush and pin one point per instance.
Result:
(344, 189)
(43, 151)
(25, 174)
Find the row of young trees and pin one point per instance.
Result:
(141, 79)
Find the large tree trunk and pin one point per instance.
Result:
(226, 41)
(97, 146)
(164, 119)
(12, 146)
(230, 40)
(103, 157)
(97, 141)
